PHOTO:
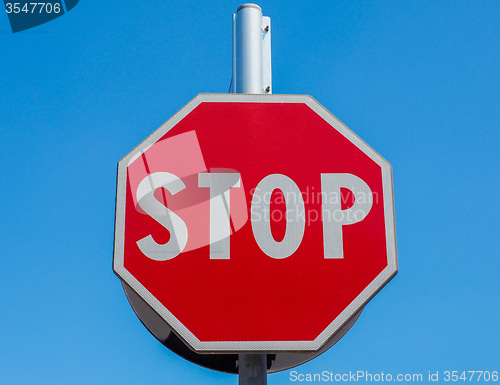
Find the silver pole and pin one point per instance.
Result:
(251, 75)
(251, 51)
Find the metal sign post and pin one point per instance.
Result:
(251, 75)
(251, 51)
(252, 369)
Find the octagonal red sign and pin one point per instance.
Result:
(254, 223)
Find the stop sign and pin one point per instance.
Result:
(254, 223)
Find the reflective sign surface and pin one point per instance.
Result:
(255, 222)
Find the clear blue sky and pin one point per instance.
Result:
(417, 80)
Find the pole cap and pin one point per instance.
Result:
(249, 5)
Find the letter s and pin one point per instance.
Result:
(164, 216)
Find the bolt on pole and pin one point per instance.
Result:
(251, 75)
